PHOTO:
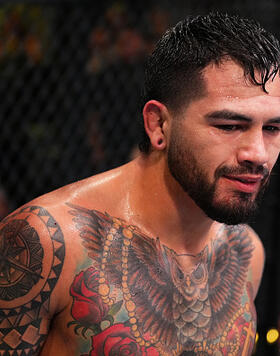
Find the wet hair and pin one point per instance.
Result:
(173, 70)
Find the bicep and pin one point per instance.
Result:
(32, 254)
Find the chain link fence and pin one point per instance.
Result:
(70, 84)
(70, 80)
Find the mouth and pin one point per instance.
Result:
(245, 183)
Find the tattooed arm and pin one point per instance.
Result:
(32, 252)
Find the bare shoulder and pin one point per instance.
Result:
(258, 256)
(98, 192)
(249, 239)
(243, 233)
(258, 259)
(32, 250)
(256, 241)
(40, 250)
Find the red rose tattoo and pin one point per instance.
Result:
(117, 340)
(88, 307)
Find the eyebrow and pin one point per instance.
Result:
(234, 116)
(275, 120)
(227, 115)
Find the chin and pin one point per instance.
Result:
(233, 214)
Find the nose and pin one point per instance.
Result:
(253, 149)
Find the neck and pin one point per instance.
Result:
(162, 209)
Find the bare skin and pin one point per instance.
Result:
(127, 262)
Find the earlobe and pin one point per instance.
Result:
(155, 114)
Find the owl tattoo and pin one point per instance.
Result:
(174, 304)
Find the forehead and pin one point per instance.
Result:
(226, 88)
(229, 76)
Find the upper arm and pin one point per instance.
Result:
(257, 262)
(32, 253)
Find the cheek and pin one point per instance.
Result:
(211, 146)
(209, 149)
(212, 157)
(274, 155)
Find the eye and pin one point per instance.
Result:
(229, 127)
(271, 129)
(199, 275)
(180, 274)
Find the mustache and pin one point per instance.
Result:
(249, 169)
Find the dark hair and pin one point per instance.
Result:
(173, 71)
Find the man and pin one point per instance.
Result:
(154, 258)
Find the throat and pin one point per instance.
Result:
(192, 242)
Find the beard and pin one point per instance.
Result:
(238, 207)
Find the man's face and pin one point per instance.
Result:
(223, 146)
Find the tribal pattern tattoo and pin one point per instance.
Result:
(29, 270)
(137, 299)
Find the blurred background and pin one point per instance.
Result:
(70, 82)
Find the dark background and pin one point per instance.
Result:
(70, 84)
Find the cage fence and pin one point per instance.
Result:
(70, 88)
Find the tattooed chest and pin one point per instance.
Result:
(136, 298)
(107, 317)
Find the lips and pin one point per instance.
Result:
(245, 183)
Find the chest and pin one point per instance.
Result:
(141, 316)
(140, 297)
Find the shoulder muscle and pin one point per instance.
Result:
(258, 259)
(32, 254)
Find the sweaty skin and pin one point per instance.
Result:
(125, 262)
(96, 281)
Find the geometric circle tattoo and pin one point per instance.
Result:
(30, 267)
(29, 261)
(21, 257)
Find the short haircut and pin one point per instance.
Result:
(173, 70)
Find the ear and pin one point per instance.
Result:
(155, 116)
